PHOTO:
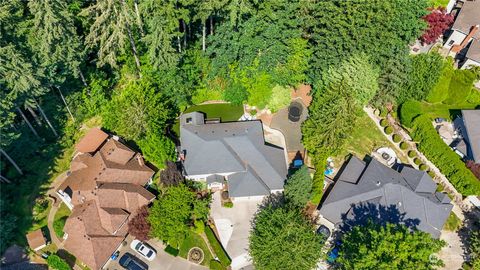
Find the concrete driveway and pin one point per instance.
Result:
(163, 260)
(233, 226)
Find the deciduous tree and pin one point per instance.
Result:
(438, 22)
(139, 226)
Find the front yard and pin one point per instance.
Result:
(191, 240)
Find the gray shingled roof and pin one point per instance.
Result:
(473, 52)
(410, 191)
(471, 120)
(468, 17)
(234, 147)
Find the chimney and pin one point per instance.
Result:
(140, 160)
(457, 48)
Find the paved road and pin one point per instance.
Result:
(163, 260)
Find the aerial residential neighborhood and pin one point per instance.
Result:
(240, 135)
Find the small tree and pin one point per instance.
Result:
(171, 176)
(438, 22)
(373, 246)
(298, 188)
(57, 263)
(139, 226)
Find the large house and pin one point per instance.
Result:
(105, 188)
(468, 146)
(464, 39)
(231, 155)
(404, 195)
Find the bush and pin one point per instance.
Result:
(383, 122)
(422, 167)
(460, 86)
(216, 265)
(57, 263)
(217, 247)
(408, 111)
(404, 146)
(228, 204)
(396, 138)
(444, 158)
(383, 112)
(417, 161)
(235, 93)
(432, 174)
(388, 130)
(440, 92)
(280, 98)
(253, 112)
(412, 154)
(199, 226)
(171, 250)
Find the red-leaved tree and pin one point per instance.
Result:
(474, 167)
(139, 226)
(438, 22)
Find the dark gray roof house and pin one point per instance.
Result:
(471, 133)
(236, 150)
(410, 192)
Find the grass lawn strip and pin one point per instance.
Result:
(60, 218)
(453, 222)
(217, 247)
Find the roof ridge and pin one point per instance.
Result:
(254, 172)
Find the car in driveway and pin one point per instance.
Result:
(143, 249)
(130, 262)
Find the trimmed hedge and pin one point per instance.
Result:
(440, 92)
(217, 247)
(388, 130)
(172, 251)
(404, 146)
(444, 158)
(397, 138)
(57, 263)
(417, 161)
(412, 154)
(383, 112)
(422, 167)
(228, 204)
(383, 122)
(431, 173)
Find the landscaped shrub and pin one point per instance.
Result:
(417, 161)
(217, 247)
(440, 92)
(199, 226)
(460, 86)
(412, 154)
(383, 122)
(444, 158)
(408, 111)
(396, 138)
(228, 204)
(383, 112)
(432, 174)
(422, 167)
(253, 112)
(171, 250)
(388, 130)
(404, 146)
(57, 263)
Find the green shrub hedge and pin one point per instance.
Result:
(408, 111)
(388, 130)
(412, 154)
(432, 174)
(444, 158)
(440, 92)
(404, 146)
(384, 122)
(397, 138)
(460, 86)
(172, 251)
(422, 167)
(56, 263)
(217, 247)
(228, 204)
(417, 161)
(383, 112)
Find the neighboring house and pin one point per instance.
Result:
(36, 240)
(231, 155)
(463, 41)
(406, 195)
(469, 146)
(105, 188)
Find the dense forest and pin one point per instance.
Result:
(134, 65)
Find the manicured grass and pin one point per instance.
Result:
(217, 247)
(40, 217)
(60, 218)
(225, 111)
(194, 240)
(446, 111)
(438, 3)
(364, 138)
(453, 223)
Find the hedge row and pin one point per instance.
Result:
(217, 247)
(443, 157)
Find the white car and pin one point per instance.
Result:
(143, 249)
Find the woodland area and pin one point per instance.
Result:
(132, 66)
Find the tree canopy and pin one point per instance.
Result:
(298, 187)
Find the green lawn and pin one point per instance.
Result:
(60, 218)
(194, 240)
(453, 223)
(364, 139)
(217, 247)
(438, 3)
(225, 111)
(434, 110)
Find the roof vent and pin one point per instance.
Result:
(378, 183)
(233, 134)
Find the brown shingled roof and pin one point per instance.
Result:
(36, 240)
(91, 141)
